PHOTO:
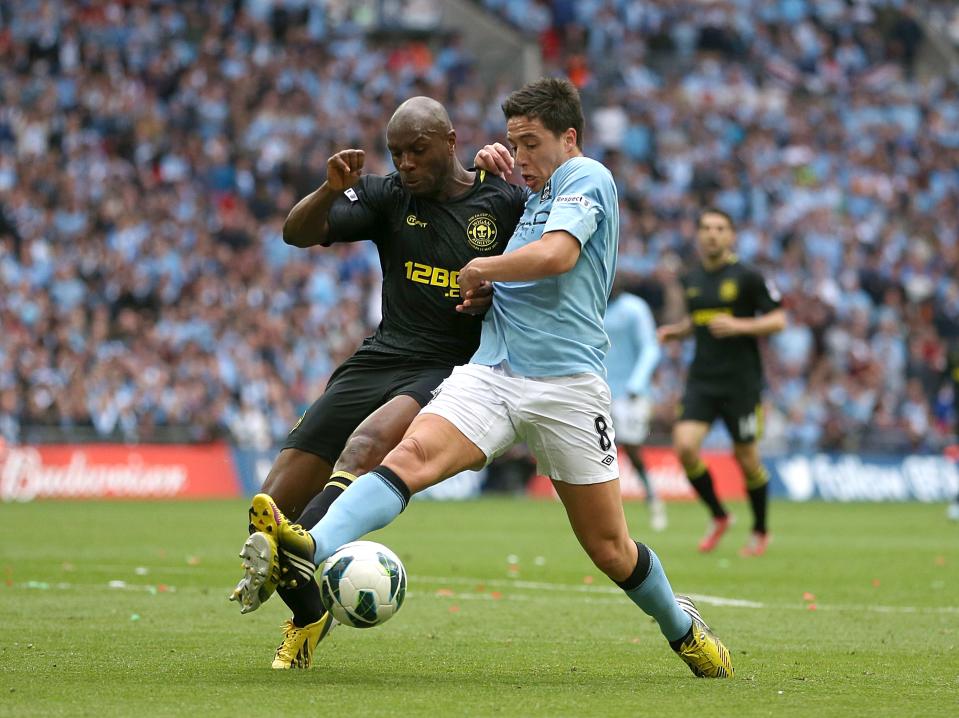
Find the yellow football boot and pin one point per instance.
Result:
(703, 652)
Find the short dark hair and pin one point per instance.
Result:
(553, 101)
(721, 213)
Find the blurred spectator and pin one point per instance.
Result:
(150, 152)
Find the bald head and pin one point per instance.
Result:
(422, 142)
(421, 115)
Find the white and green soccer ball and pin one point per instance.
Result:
(363, 584)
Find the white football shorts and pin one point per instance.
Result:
(565, 421)
(631, 417)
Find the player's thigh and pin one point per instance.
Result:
(377, 434)
(432, 450)
(742, 413)
(566, 424)
(357, 389)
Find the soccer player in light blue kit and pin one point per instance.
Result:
(631, 360)
(537, 377)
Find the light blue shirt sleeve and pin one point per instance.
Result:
(649, 353)
(577, 205)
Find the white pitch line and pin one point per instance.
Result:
(595, 594)
(545, 587)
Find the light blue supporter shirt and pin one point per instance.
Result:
(554, 326)
(634, 350)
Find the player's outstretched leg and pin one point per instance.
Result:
(701, 649)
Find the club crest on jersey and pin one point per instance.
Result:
(728, 290)
(351, 195)
(481, 231)
(547, 191)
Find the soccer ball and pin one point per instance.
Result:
(363, 584)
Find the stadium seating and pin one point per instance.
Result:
(150, 152)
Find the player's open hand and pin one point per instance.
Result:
(495, 158)
(476, 301)
(343, 169)
(723, 326)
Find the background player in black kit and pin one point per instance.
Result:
(428, 219)
(729, 305)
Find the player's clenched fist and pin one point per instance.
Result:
(343, 169)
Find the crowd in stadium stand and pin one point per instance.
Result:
(149, 153)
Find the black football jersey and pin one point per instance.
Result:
(423, 244)
(738, 290)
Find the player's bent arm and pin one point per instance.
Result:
(308, 222)
(679, 330)
(765, 324)
(554, 253)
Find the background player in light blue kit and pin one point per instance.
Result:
(634, 352)
(538, 377)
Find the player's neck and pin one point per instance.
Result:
(711, 265)
(459, 182)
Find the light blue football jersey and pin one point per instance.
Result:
(634, 350)
(554, 326)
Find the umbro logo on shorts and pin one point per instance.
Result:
(609, 459)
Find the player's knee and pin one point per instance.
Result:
(609, 557)
(747, 456)
(410, 461)
(362, 452)
(687, 452)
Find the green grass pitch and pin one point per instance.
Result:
(119, 609)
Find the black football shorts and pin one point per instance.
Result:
(358, 387)
(739, 407)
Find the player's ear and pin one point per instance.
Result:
(569, 140)
(451, 142)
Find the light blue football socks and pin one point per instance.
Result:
(370, 503)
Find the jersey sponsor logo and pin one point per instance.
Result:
(609, 459)
(481, 231)
(575, 199)
(728, 290)
(702, 317)
(351, 195)
(435, 277)
(414, 221)
(547, 191)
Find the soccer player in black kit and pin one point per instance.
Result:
(428, 219)
(729, 305)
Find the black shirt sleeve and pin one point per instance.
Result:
(361, 212)
(766, 297)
